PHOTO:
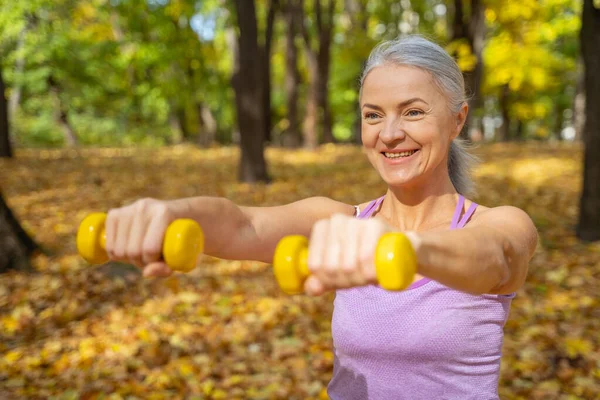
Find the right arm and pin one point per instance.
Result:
(134, 233)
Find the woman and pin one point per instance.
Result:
(440, 338)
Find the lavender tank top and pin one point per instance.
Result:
(426, 342)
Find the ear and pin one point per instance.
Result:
(461, 119)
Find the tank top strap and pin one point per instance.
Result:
(457, 221)
(467, 215)
(370, 208)
(457, 212)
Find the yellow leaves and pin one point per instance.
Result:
(463, 54)
(12, 356)
(10, 324)
(577, 347)
(225, 330)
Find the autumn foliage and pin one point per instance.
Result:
(225, 331)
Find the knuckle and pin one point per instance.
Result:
(370, 275)
(348, 266)
(119, 252)
(163, 211)
(133, 253)
(365, 258)
(150, 250)
(112, 214)
(320, 226)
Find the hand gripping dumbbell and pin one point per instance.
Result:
(395, 262)
(182, 244)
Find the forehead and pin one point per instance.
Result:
(397, 83)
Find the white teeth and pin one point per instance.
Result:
(402, 154)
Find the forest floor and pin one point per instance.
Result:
(225, 330)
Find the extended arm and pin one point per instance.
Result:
(491, 255)
(251, 233)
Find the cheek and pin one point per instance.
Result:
(369, 135)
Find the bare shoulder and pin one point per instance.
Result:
(508, 219)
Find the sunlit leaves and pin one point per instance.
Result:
(226, 330)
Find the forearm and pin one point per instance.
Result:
(222, 221)
(474, 260)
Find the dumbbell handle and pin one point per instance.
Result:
(395, 262)
(182, 244)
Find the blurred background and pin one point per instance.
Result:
(103, 102)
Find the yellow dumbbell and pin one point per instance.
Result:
(395, 262)
(182, 244)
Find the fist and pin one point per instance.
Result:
(135, 234)
(341, 253)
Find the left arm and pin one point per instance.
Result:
(490, 255)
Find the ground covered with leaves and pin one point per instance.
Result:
(225, 331)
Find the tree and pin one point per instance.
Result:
(5, 147)
(472, 31)
(589, 214)
(319, 60)
(292, 136)
(249, 98)
(15, 244)
(266, 67)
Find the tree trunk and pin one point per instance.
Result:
(589, 214)
(266, 68)
(473, 31)
(324, 66)
(291, 136)
(15, 98)
(319, 66)
(15, 245)
(504, 131)
(249, 96)
(5, 145)
(357, 12)
(579, 103)
(207, 130)
(62, 115)
(311, 118)
(559, 121)
(520, 130)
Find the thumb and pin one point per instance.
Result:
(157, 270)
(313, 286)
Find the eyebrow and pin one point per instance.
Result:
(403, 104)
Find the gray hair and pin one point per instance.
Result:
(416, 51)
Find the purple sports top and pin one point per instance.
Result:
(426, 342)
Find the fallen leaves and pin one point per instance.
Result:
(225, 331)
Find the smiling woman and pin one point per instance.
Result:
(442, 336)
(419, 68)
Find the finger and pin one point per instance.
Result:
(136, 240)
(157, 270)
(367, 246)
(350, 259)
(316, 246)
(122, 236)
(153, 240)
(337, 237)
(110, 230)
(313, 286)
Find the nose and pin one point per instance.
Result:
(392, 132)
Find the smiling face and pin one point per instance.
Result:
(407, 126)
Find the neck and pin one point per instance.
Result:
(422, 205)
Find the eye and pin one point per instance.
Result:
(371, 116)
(414, 113)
